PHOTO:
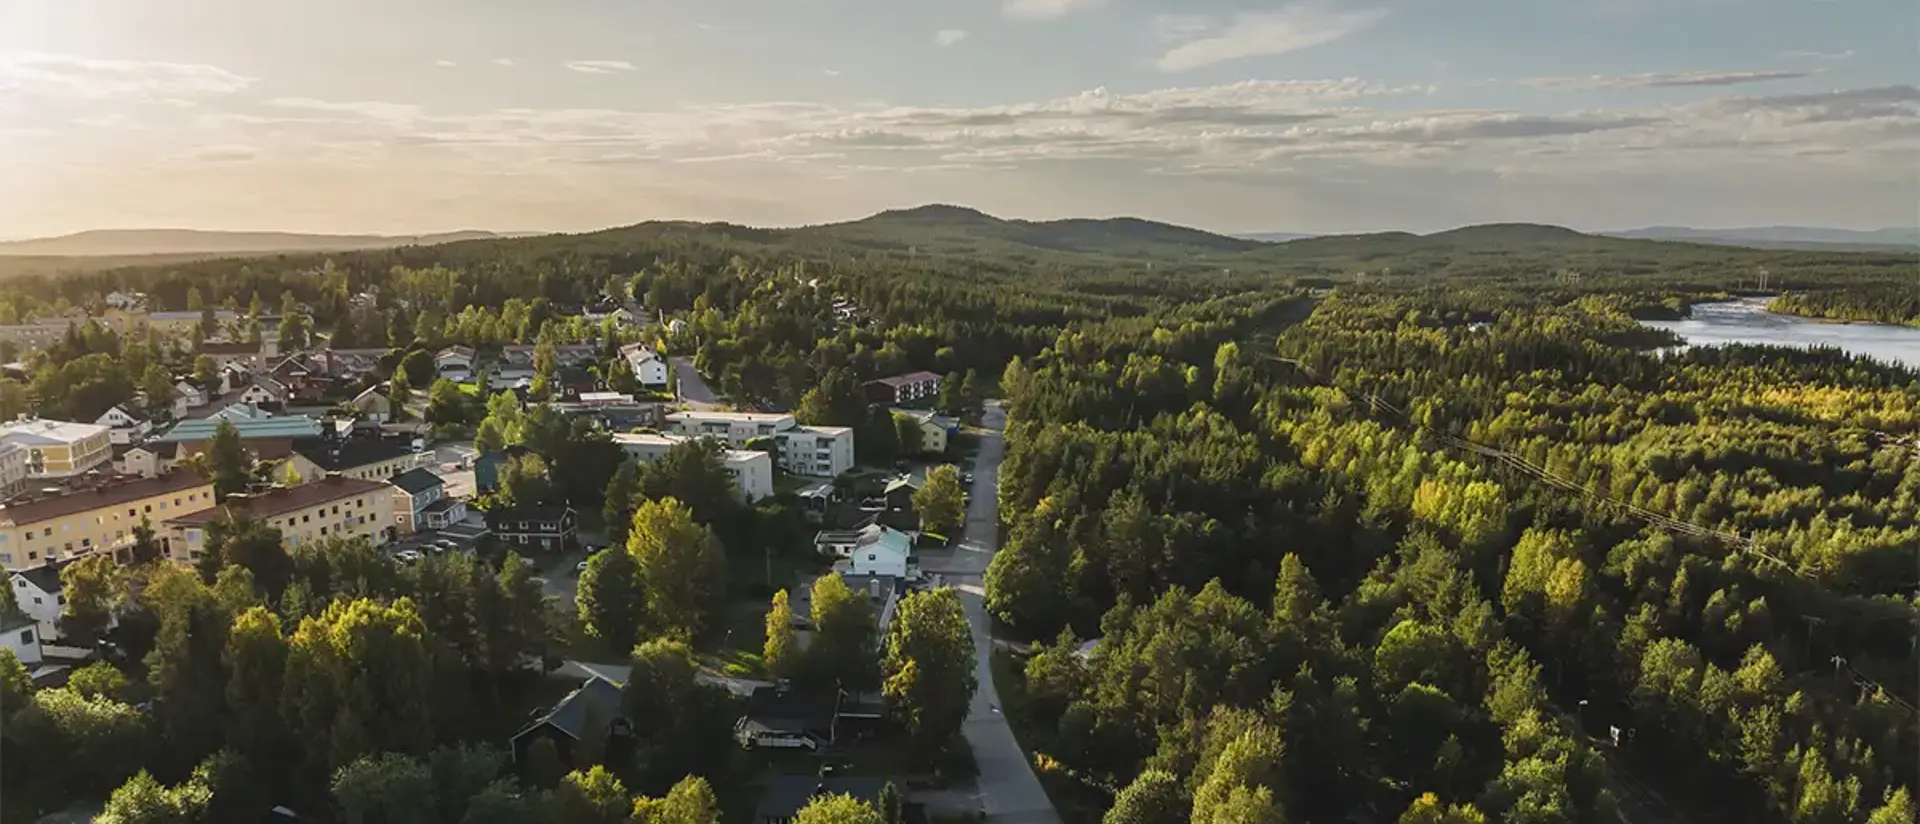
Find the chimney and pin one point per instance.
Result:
(873, 587)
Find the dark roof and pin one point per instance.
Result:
(597, 698)
(89, 496)
(790, 710)
(548, 514)
(282, 500)
(45, 576)
(416, 481)
(786, 794)
(336, 456)
(897, 381)
(442, 505)
(229, 348)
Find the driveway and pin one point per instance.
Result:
(692, 388)
(1009, 792)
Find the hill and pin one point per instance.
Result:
(120, 242)
(1781, 237)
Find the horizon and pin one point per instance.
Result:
(1244, 116)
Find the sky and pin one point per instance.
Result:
(1229, 115)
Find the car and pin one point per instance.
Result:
(447, 543)
(407, 556)
(967, 478)
(580, 567)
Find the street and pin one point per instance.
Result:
(693, 389)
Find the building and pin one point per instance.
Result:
(900, 389)
(349, 363)
(934, 429)
(591, 712)
(553, 527)
(646, 365)
(147, 458)
(124, 424)
(249, 356)
(455, 362)
(818, 451)
(63, 523)
(420, 502)
(333, 507)
(263, 391)
(366, 458)
(239, 411)
(40, 334)
(268, 439)
(303, 376)
(189, 395)
(36, 592)
(21, 635)
(13, 469)
(182, 323)
(59, 449)
(782, 717)
(785, 795)
(752, 469)
(880, 550)
(564, 354)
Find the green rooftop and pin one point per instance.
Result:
(295, 426)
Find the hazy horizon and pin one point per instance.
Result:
(1317, 116)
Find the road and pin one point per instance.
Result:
(692, 388)
(1009, 792)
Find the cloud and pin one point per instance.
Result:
(830, 72)
(445, 64)
(1046, 9)
(601, 66)
(1258, 34)
(505, 61)
(1826, 57)
(1664, 80)
(948, 37)
(67, 76)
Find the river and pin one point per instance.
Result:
(1747, 321)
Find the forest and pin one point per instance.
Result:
(1381, 528)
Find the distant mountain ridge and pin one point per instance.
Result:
(1779, 236)
(201, 242)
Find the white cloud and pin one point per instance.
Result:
(505, 61)
(1046, 9)
(830, 72)
(445, 64)
(1257, 34)
(1827, 57)
(948, 37)
(54, 75)
(601, 66)
(1670, 80)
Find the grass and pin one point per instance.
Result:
(1075, 800)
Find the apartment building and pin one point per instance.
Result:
(30, 337)
(752, 469)
(38, 528)
(13, 469)
(899, 389)
(334, 507)
(819, 451)
(59, 449)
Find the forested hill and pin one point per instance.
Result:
(195, 242)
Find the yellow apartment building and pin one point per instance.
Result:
(59, 449)
(328, 508)
(38, 528)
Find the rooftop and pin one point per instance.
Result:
(337, 456)
(741, 417)
(85, 497)
(43, 432)
(45, 576)
(823, 430)
(910, 377)
(282, 500)
(292, 426)
(647, 439)
(229, 348)
(416, 481)
(597, 697)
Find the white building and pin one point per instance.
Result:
(59, 449)
(21, 635)
(124, 425)
(13, 468)
(871, 550)
(818, 451)
(752, 469)
(647, 366)
(185, 392)
(454, 362)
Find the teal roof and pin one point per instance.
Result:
(295, 426)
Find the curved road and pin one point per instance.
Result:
(1009, 792)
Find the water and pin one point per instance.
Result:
(1748, 321)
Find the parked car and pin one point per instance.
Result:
(580, 567)
(408, 556)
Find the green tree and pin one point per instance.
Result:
(889, 803)
(358, 678)
(461, 773)
(593, 796)
(781, 652)
(99, 680)
(206, 371)
(837, 809)
(1428, 809)
(400, 393)
(610, 598)
(842, 648)
(929, 667)
(296, 332)
(906, 433)
(544, 768)
(156, 385)
(691, 801)
(682, 569)
(249, 543)
(229, 460)
(1240, 780)
(417, 365)
(385, 788)
(834, 401)
(490, 437)
(525, 481)
(446, 406)
(142, 800)
(82, 746)
(941, 502)
(617, 509)
(94, 588)
(195, 301)
(1154, 797)
(255, 660)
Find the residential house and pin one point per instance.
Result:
(648, 368)
(361, 458)
(935, 429)
(36, 592)
(20, 635)
(780, 716)
(125, 423)
(187, 395)
(234, 374)
(126, 300)
(333, 507)
(819, 451)
(881, 551)
(420, 502)
(147, 459)
(263, 391)
(752, 469)
(182, 323)
(59, 449)
(590, 714)
(902, 389)
(564, 354)
(553, 527)
(239, 411)
(269, 439)
(251, 356)
(350, 363)
(13, 469)
(93, 516)
(304, 377)
(374, 404)
(455, 362)
(785, 795)
(883, 597)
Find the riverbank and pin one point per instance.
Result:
(1751, 321)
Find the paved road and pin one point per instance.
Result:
(1009, 792)
(692, 388)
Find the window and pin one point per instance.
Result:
(6, 557)
(26, 636)
(176, 501)
(37, 600)
(86, 542)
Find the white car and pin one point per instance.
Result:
(408, 556)
(580, 567)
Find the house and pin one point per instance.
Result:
(304, 377)
(124, 424)
(240, 411)
(455, 362)
(37, 593)
(93, 516)
(883, 596)
(590, 716)
(374, 404)
(785, 795)
(147, 458)
(190, 394)
(752, 470)
(934, 429)
(234, 374)
(182, 323)
(898, 493)
(333, 507)
(36, 335)
(349, 363)
(881, 551)
(250, 356)
(648, 368)
(59, 449)
(13, 469)
(779, 716)
(564, 355)
(819, 451)
(126, 300)
(21, 635)
(420, 502)
(361, 458)
(901, 389)
(268, 438)
(552, 527)
(263, 391)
